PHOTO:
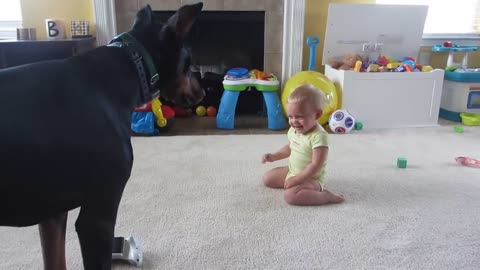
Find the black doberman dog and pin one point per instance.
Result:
(65, 131)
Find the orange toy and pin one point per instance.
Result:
(211, 111)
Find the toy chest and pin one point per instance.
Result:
(382, 99)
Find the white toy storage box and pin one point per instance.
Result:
(382, 99)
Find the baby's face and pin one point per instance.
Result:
(302, 116)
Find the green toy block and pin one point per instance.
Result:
(358, 126)
(458, 129)
(402, 163)
(451, 68)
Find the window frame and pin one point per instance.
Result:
(470, 39)
(10, 23)
(8, 29)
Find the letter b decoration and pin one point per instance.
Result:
(55, 29)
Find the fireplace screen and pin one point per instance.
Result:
(221, 40)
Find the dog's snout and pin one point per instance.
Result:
(191, 101)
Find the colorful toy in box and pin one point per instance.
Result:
(347, 63)
(382, 64)
(152, 118)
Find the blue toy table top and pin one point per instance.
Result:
(463, 75)
(238, 73)
(237, 80)
(454, 48)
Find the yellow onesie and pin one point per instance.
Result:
(302, 146)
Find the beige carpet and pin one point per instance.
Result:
(196, 202)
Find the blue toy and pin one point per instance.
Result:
(238, 73)
(312, 42)
(317, 79)
(144, 123)
(152, 118)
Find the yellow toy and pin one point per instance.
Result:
(394, 65)
(372, 68)
(358, 66)
(321, 82)
(201, 110)
(316, 79)
(157, 111)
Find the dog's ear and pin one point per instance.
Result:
(183, 20)
(144, 18)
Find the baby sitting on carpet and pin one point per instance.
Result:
(303, 178)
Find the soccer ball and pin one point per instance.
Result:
(341, 121)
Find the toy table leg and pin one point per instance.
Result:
(226, 112)
(276, 119)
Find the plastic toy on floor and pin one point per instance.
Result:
(467, 161)
(461, 88)
(341, 122)
(209, 111)
(470, 119)
(152, 118)
(127, 250)
(239, 79)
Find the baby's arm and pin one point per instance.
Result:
(319, 155)
(282, 153)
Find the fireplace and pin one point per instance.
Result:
(283, 26)
(221, 40)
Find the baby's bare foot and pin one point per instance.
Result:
(334, 197)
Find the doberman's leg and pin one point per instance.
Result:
(52, 237)
(96, 224)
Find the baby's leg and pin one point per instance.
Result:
(275, 178)
(311, 193)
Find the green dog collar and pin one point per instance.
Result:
(140, 57)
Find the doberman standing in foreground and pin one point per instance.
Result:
(65, 131)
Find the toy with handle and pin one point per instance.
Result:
(312, 42)
(318, 80)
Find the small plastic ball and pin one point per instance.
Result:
(201, 111)
(211, 111)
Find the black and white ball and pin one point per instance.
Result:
(341, 121)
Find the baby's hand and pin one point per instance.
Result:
(267, 158)
(291, 182)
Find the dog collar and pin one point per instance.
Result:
(142, 59)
